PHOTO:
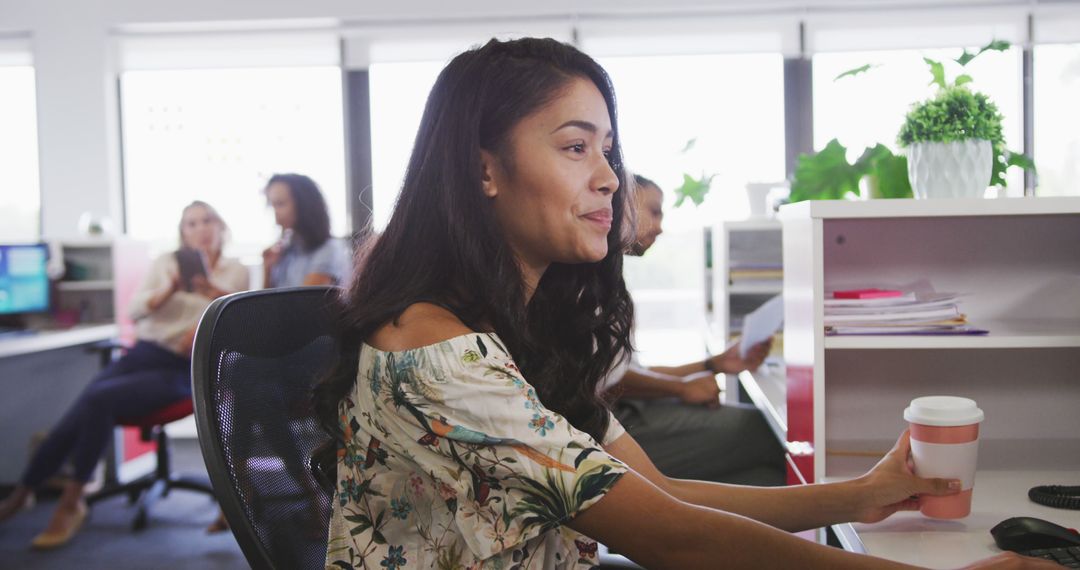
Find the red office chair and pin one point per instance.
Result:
(149, 488)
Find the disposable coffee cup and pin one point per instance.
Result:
(945, 443)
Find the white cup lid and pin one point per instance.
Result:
(943, 411)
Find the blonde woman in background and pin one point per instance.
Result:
(152, 374)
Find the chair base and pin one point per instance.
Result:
(145, 491)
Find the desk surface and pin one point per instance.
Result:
(53, 339)
(912, 538)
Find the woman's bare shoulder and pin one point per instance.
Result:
(422, 324)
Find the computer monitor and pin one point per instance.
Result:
(24, 283)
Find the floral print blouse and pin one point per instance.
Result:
(451, 462)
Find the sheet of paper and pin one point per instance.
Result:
(761, 324)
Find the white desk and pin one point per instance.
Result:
(52, 339)
(40, 375)
(911, 538)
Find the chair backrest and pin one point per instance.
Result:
(257, 355)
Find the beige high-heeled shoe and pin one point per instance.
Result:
(49, 540)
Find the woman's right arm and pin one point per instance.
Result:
(658, 531)
(160, 283)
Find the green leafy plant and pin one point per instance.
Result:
(954, 113)
(827, 174)
(694, 188)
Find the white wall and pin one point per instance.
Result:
(76, 75)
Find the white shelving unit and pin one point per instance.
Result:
(87, 286)
(100, 276)
(1016, 262)
(740, 243)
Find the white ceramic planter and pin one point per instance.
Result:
(950, 170)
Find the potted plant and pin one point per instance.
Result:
(952, 141)
(955, 144)
(954, 114)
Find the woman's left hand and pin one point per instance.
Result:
(892, 485)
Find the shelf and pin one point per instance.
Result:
(755, 289)
(88, 243)
(1003, 334)
(90, 285)
(940, 207)
(753, 224)
(767, 388)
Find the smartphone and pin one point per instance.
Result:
(192, 263)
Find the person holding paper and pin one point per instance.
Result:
(674, 412)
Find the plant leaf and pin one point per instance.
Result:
(891, 175)
(962, 79)
(865, 164)
(995, 45)
(937, 69)
(854, 72)
(1019, 159)
(693, 188)
(688, 146)
(966, 57)
(825, 175)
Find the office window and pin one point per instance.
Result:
(869, 108)
(217, 135)
(1057, 122)
(732, 107)
(399, 91)
(20, 195)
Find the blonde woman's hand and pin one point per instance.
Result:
(165, 294)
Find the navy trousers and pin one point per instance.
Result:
(145, 379)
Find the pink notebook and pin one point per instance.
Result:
(867, 294)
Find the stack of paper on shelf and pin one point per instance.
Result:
(756, 274)
(876, 312)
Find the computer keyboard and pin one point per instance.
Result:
(1067, 556)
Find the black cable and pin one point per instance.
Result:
(1057, 496)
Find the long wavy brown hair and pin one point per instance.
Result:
(443, 243)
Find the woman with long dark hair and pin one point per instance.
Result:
(306, 253)
(464, 411)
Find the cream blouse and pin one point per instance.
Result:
(170, 324)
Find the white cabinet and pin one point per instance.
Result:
(1017, 264)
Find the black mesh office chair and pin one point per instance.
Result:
(257, 354)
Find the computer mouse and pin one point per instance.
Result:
(1029, 533)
